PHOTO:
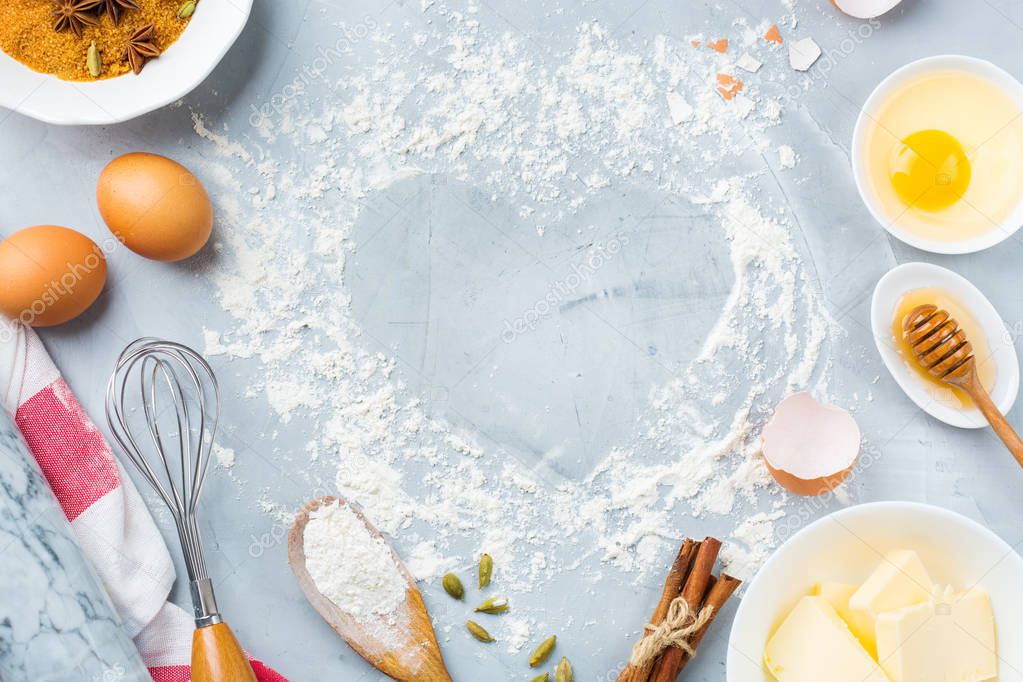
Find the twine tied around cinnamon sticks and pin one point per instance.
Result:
(678, 627)
(691, 599)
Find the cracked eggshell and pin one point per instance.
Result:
(865, 9)
(804, 53)
(810, 448)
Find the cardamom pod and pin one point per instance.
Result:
(187, 9)
(546, 677)
(543, 652)
(486, 570)
(453, 586)
(478, 632)
(564, 671)
(493, 606)
(93, 61)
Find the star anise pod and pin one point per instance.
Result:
(115, 7)
(141, 48)
(74, 15)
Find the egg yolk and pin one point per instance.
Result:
(930, 170)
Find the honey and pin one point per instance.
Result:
(939, 390)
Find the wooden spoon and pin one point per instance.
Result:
(406, 651)
(942, 348)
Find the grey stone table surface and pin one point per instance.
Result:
(47, 175)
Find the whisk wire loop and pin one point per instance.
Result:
(179, 398)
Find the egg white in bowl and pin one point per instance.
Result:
(938, 154)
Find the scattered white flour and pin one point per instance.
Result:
(752, 543)
(225, 456)
(547, 132)
(351, 567)
(518, 634)
(787, 157)
(426, 563)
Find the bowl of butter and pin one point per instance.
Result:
(883, 592)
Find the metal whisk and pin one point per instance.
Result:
(170, 442)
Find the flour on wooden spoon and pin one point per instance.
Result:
(350, 567)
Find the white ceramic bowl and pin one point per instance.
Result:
(908, 276)
(1002, 79)
(214, 27)
(847, 545)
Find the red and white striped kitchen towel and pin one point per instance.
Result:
(109, 519)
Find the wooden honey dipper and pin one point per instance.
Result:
(942, 348)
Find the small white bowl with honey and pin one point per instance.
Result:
(912, 284)
(938, 154)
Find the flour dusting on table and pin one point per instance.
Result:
(547, 132)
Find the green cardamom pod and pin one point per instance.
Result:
(93, 61)
(493, 606)
(453, 586)
(543, 652)
(187, 9)
(546, 677)
(564, 672)
(486, 570)
(478, 632)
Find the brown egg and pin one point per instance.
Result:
(49, 275)
(155, 206)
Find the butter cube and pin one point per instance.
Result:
(815, 644)
(951, 638)
(900, 581)
(838, 595)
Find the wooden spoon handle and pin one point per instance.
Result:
(217, 656)
(995, 417)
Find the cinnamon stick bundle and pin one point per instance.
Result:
(690, 579)
(672, 586)
(719, 593)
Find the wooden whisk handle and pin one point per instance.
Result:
(218, 657)
(995, 417)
